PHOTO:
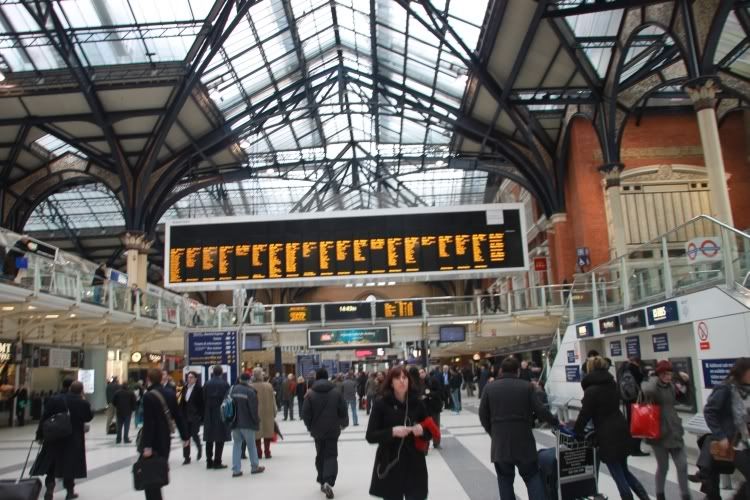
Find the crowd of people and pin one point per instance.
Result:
(404, 405)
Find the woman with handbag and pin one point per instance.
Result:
(601, 404)
(727, 414)
(400, 470)
(660, 390)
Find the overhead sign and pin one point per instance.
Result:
(660, 342)
(297, 314)
(609, 325)
(540, 263)
(662, 313)
(585, 330)
(703, 249)
(398, 309)
(308, 364)
(571, 357)
(6, 352)
(348, 311)
(86, 377)
(301, 249)
(633, 347)
(715, 371)
(348, 338)
(633, 320)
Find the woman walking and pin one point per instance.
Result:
(601, 403)
(660, 390)
(400, 470)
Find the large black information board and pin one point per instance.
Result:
(395, 244)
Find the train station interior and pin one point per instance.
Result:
(362, 184)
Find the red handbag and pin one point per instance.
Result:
(422, 444)
(645, 421)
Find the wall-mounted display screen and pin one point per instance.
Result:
(348, 338)
(397, 244)
(399, 309)
(452, 333)
(297, 313)
(253, 342)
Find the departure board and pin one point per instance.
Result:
(317, 248)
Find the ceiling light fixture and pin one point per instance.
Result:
(2, 76)
(8, 308)
(52, 316)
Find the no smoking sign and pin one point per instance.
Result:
(703, 336)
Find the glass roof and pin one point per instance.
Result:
(266, 56)
(106, 32)
(274, 195)
(732, 51)
(90, 206)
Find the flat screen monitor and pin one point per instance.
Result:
(452, 333)
(253, 342)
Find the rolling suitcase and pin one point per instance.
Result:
(21, 489)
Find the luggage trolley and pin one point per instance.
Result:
(576, 467)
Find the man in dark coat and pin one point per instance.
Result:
(125, 403)
(484, 377)
(324, 413)
(433, 400)
(156, 437)
(64, 458)
(506, 411)
(215, 431)
(112, 387)
(193, 409)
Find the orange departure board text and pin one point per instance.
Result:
(431, 243)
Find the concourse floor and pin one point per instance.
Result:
(461, 470)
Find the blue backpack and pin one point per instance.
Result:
(228, 411)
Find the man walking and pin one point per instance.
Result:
(159, 405)
(246, 424)
(112, 387)
(124, 403)
(215, 431)
(288, 393)
(193, 409)
(433, 400)
(324, 413)
(349, 391)
(507, 410)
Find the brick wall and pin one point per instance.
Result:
(658, 139)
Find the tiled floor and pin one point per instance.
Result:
(461, 470)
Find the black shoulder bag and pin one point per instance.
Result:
(58, 426)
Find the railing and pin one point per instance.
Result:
(71, 277)
(699, 254)
(671, 265)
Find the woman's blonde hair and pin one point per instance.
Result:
(596, 363)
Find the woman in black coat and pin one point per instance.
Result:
(601, 404)
(400, 469)
(64, 458)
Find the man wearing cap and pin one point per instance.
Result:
(662, 390)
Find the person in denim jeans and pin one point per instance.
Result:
(601, 404)
(349, 391)
(455, 380)
(246, 423)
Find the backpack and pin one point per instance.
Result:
(629, 389)
(228, 411)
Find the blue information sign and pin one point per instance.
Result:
(307, 364)
(633, 346)
(615, 348)
(572, 373)
(716, 370)
(214, 348)
(571, 356)
(660, 342)
(662, 313)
